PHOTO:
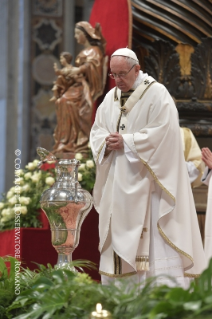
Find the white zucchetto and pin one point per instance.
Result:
(125, 52)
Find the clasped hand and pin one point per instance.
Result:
(114, 141)
(207, 157)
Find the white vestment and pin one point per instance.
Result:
(129, 182)
(193, 157)
(208, 220)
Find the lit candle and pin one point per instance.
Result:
(100, 313)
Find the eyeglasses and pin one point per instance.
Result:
(121, 75)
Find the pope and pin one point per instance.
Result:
(147, 220)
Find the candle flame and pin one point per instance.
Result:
(98, 308)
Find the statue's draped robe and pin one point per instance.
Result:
(149, 171)
(74, 109)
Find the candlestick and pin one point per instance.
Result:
(100, 313)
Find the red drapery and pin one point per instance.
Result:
(115, 18)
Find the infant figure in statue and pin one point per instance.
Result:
(65, 78)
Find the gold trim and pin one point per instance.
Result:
(117, 264)
(127, 94)
(118, 122)
(142, 263)
(144, 230)
(166, 21)
(191, 275)
(187, 139)
(147, 89)
(157, 180)
(108, 229)
(115, 94)
(101, 147)
(118, 276)
(142, 258)
(172, 245)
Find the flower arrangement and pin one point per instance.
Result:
(25, 196)
(30, 183)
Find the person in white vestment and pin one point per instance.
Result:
(206, 179)
(193, 157)
(147, 220)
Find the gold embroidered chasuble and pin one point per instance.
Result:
(123, 189)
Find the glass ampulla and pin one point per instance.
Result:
(66, 205)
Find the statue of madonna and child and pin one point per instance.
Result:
(77, 88)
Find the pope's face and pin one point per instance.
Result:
(119, 65)
(80, 36)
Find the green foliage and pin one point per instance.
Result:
(7, 284)
(60, 293)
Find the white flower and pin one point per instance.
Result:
(78, 156)
(18, 189)
(89, 145)
(19, 172)
(1, 205)
(4, 212)
(19, 181)
(13, 200)
(49, 181)
(79, 177)
(31, 166)
(10, 194)
(25, 188)
(7, 213)
(36, 177)
(90, 163)
(3, 219)
(24, 200)
(35, 162)
(82, 167)
(23, 210)
(28, 175)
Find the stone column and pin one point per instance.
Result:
(69, 24)
(3, 89)
(14, 67)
